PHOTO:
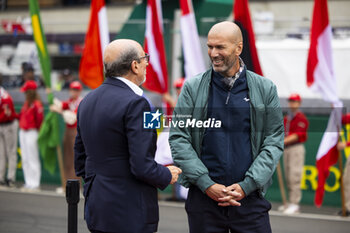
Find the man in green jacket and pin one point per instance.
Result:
(227, 137)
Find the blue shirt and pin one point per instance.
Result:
(226, 151)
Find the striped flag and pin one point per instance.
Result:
(321, 79)
(40, 41)
(96, 39)
(157, 74)
(242, 18)
(194, 63)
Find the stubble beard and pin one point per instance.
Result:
(225, 68)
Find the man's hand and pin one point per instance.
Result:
(54, 108)
(175, 172)
(341, 145)
(216, 191)
(234, 193)
(231, 199)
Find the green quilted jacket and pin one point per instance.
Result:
(267, 133)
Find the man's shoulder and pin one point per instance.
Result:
(112, 91)
(196, 80)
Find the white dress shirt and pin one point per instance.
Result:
(133, 86)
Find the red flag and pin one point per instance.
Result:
(193, 58)
(321, 78)
(96, 39)
(242, 19)
(327, 154)
(157, 74)
(320, 70)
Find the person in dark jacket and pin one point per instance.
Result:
(230, 151)
(114, 153)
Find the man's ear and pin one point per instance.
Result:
(135, 67)
(239, 48)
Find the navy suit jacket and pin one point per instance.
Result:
(115, 157)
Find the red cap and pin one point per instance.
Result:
(179, 83)
(29, 85)
(294, 97)
(75, 85)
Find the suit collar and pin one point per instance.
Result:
(132, 85)
(120, 83)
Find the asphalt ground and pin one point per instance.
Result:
(46, 212)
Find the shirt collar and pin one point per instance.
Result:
(133, 86)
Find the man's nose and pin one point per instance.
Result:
(213, 52)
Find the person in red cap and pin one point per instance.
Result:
(8, 138)
(295, 126)
(30, 119)
(346, 175)
(68, 109)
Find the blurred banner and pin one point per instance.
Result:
(242, 18)
(157, 73)
(193, 57)
(96, 40)
(48, 139)
(321, 79)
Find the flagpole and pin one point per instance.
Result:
(341, 185)
(281, 184)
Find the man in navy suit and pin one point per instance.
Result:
(114, 154)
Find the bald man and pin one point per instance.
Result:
(227, 165)
(114, 154)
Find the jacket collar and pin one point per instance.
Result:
(115, 82)
(120, 83)
(251, 82)
(132, 85)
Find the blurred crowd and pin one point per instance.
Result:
(25, 126)
(65, 77)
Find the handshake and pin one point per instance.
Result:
(175, 172)
(226, 196)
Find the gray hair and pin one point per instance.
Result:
(121, 66)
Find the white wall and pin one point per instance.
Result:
(284, 62)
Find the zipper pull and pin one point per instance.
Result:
(227, 98)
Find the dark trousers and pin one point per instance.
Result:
(205, 216)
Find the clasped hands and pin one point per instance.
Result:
(175, 172)
(226, 196)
